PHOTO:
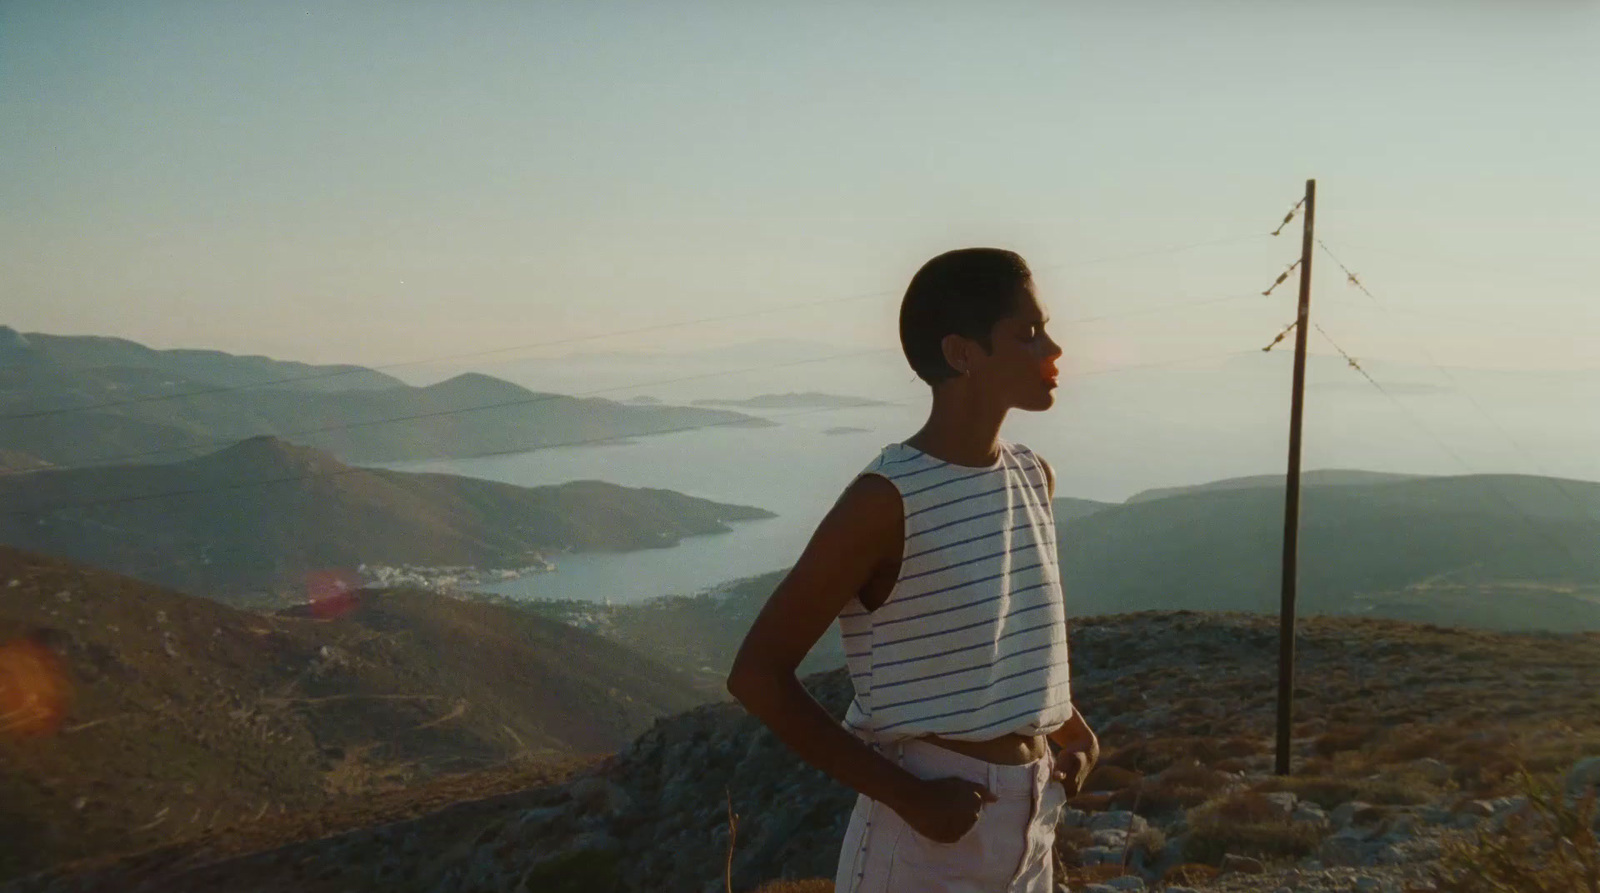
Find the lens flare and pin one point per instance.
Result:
(34, 691)
(332, 593)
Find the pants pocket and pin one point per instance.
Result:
(983, 859)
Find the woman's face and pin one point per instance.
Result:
(1020, 372)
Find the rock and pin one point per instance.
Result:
(532, 822)
(1236, 864)
(1583, 777)
(1101, 855)
(1356, 813)
(1434, 815)
(1119, 820)
(597, 796)
(1367, 883)
(1310, 813)
(1344, 848)
(1283, 801)
(1481, 809)
(1506, 808)
(1436, 771)
(1074, 818)
(1111, 837)
(1126, 882)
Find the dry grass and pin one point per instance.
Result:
(1183, 785)
(1549, 847)
(1328, 791)
(1190, 873)
(815, 885)
(1245, 824)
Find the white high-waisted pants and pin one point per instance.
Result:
(1009, 849)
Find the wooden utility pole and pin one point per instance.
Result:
(1291, 503)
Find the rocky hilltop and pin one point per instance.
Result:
(174, 717)
(1407, 737)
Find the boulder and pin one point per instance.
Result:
(1236, 864)
(1118, 820)
(1583, 777)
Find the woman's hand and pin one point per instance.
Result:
(1073, 768)
(1080, 751)
(944, 809)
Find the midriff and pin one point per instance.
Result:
(1015, 749)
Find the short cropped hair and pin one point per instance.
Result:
(962, 292)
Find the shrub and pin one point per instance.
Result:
(1550, 847)
(1341, 738)
(1182, 784)
(1245, 824)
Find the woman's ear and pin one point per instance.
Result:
(955, 353)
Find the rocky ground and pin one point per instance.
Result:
(1408, 741)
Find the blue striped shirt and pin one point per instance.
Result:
(971, 643)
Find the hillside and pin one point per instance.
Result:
(83, 352)
(1405, 735)
(698, 634)
(253, 520)
(1440, 550)
(1321, 477)
(187, 715)
(86, 401)
(1504, 551)
(794, 400)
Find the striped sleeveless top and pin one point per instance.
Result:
(971, 643)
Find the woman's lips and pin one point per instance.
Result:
(1047, 371)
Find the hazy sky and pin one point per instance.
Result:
(377, 182)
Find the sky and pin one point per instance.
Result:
(387, 183)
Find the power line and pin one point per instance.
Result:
(1419, 341)
(1456, 263)
(337, 373)
(1527, 520)
(1349, 276)
(535, 399)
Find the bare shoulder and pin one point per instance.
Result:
(1049, 473)
(869, 512)
(851, 543)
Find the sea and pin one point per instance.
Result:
(1108, 438)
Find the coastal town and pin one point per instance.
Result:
(447, 578)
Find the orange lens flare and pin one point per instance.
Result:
(34, 691)
(332, 593)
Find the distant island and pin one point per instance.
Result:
(845, 429)
(78, 400)
(800, 400)
(252, 523)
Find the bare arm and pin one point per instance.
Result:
(863, 530)
(1080, 746)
